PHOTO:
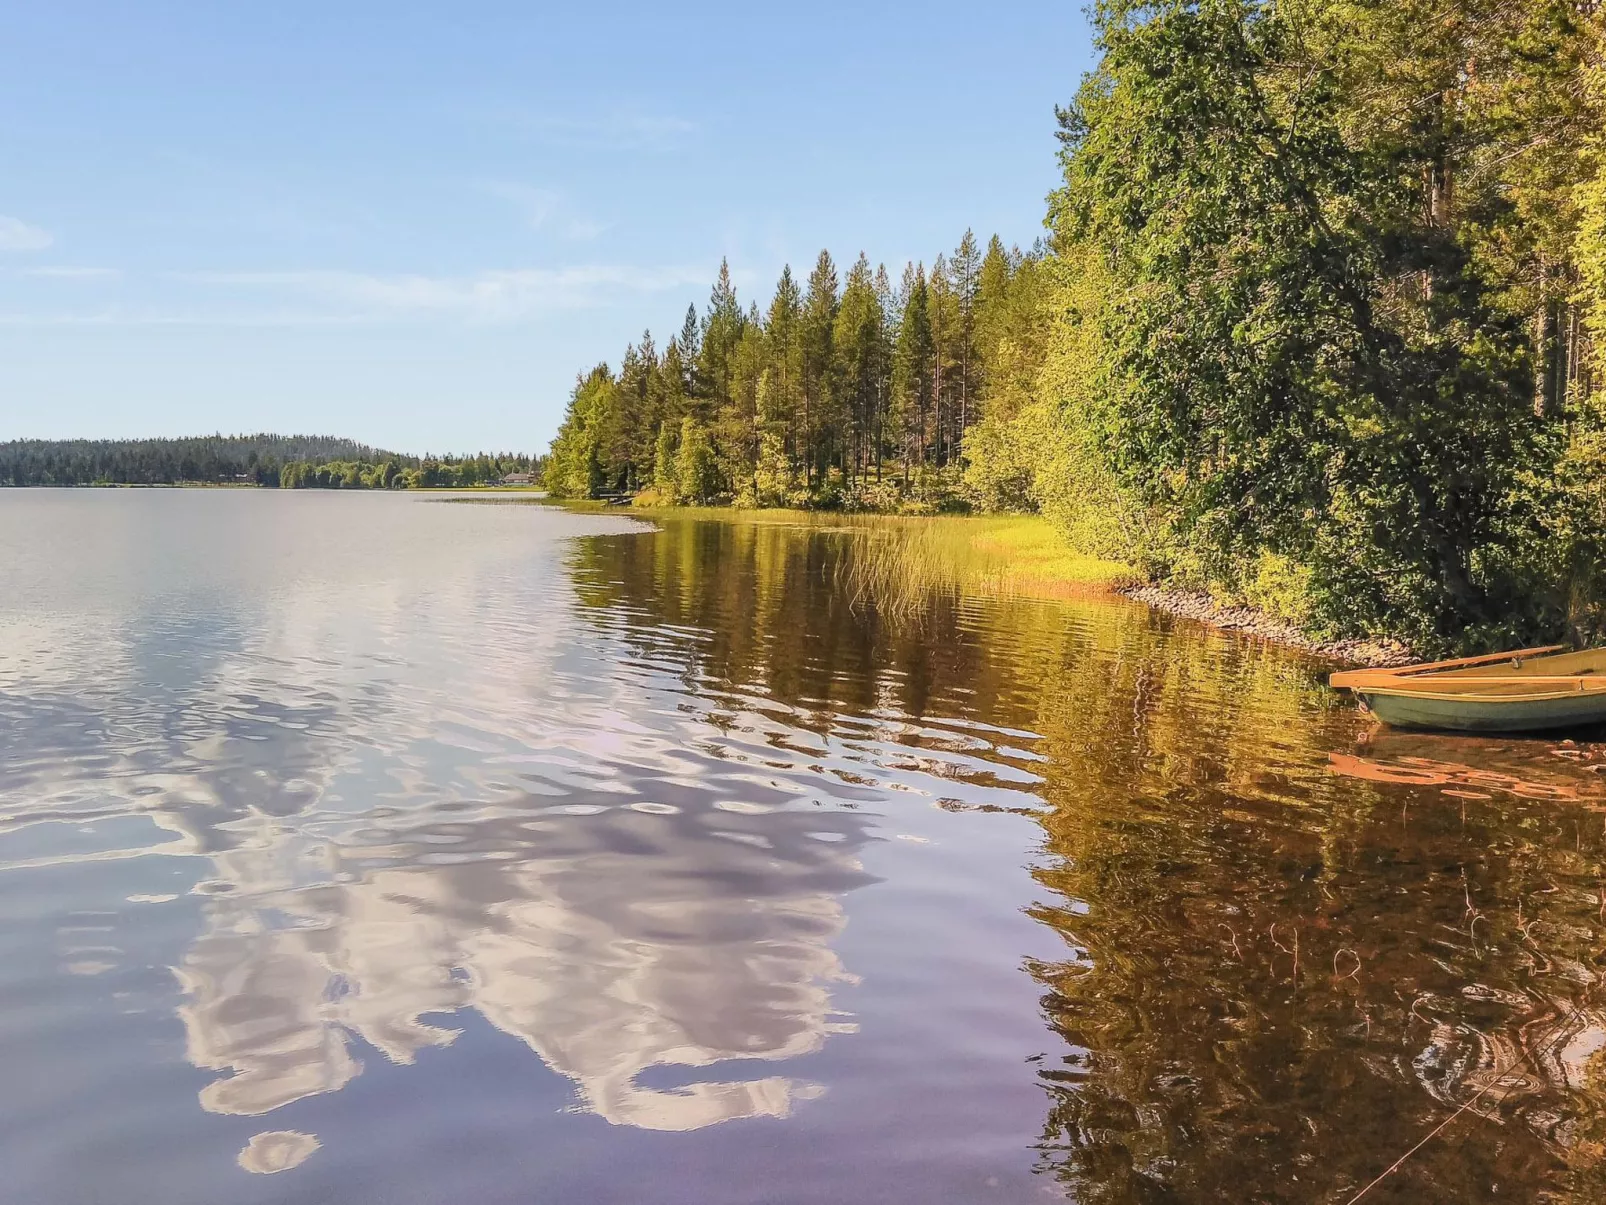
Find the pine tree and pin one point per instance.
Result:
(890, 315)
(965, 268)
(912, 367)
(641, 411)
(688, 338)
(819, 316)
(676, 384)
(784, 407)
(699, 393)
(737, 428)
(721, 332)
(991, 306)
(943, 315)
(859, 344)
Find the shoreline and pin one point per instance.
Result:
(1003, 571)
(1248, 621)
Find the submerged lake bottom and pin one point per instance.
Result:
(375, 848)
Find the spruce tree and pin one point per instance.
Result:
(674, 375)
(991, 307)
(819, 316)
(784, 408)
(965, 271)
(721, 331)
(912, 368)
(858, 340)
(943, 315)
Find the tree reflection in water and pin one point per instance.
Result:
(617, 798)
(1291, 949)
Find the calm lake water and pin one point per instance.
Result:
(369, 848)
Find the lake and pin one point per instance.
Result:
(376, 848)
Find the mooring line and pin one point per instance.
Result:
(1561, 1031)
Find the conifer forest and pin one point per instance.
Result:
(1314, 324)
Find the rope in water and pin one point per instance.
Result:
(1561, 1031)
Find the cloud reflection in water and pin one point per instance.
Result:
(417, 804)
(607, 943)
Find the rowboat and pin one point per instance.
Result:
(1524, 691)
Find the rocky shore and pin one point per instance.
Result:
(1188, 604)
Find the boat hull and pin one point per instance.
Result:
(1404, 710)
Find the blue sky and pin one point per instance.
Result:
(414, 224)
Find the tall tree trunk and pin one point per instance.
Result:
(964, 391)
(808, 460)
(1542, 357)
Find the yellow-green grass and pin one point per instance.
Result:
(1013, 555)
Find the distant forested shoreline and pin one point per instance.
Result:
(1316, 326)
(271, 461)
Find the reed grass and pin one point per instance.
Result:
(895, 558)
(891, 557)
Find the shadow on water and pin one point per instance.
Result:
(919, 896)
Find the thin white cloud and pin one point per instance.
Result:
(497, 295)
(71, 272)
(134, 316)
(17, 235)
(536, 204)
(581, 229)
(546, 209)
(604, 131)
(634, 129)
(332, 297)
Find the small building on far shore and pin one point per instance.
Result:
(519, 479)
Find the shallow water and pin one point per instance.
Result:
(366, 848)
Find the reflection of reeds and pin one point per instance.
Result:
(895, 562)
(1002, 554)
(1195, 846)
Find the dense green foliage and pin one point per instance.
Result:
(1315, 329)
(206, 458)
(845, 392)
(1336, 335)
(270, 460)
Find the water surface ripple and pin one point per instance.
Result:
(373, 848)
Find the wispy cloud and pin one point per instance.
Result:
(537, 205)
(17, 235)
(618, 129)
(545, 209)
(334, 297)
(581, 229)
(615, 131)
(71, 272)
(122, 315)
(498, 295)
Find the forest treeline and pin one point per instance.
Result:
(847, 390)
(1314, 326)
(398, 473)
(289, 461)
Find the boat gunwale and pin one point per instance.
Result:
(1397, 678)
(1497, 691)
(1400, 692)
